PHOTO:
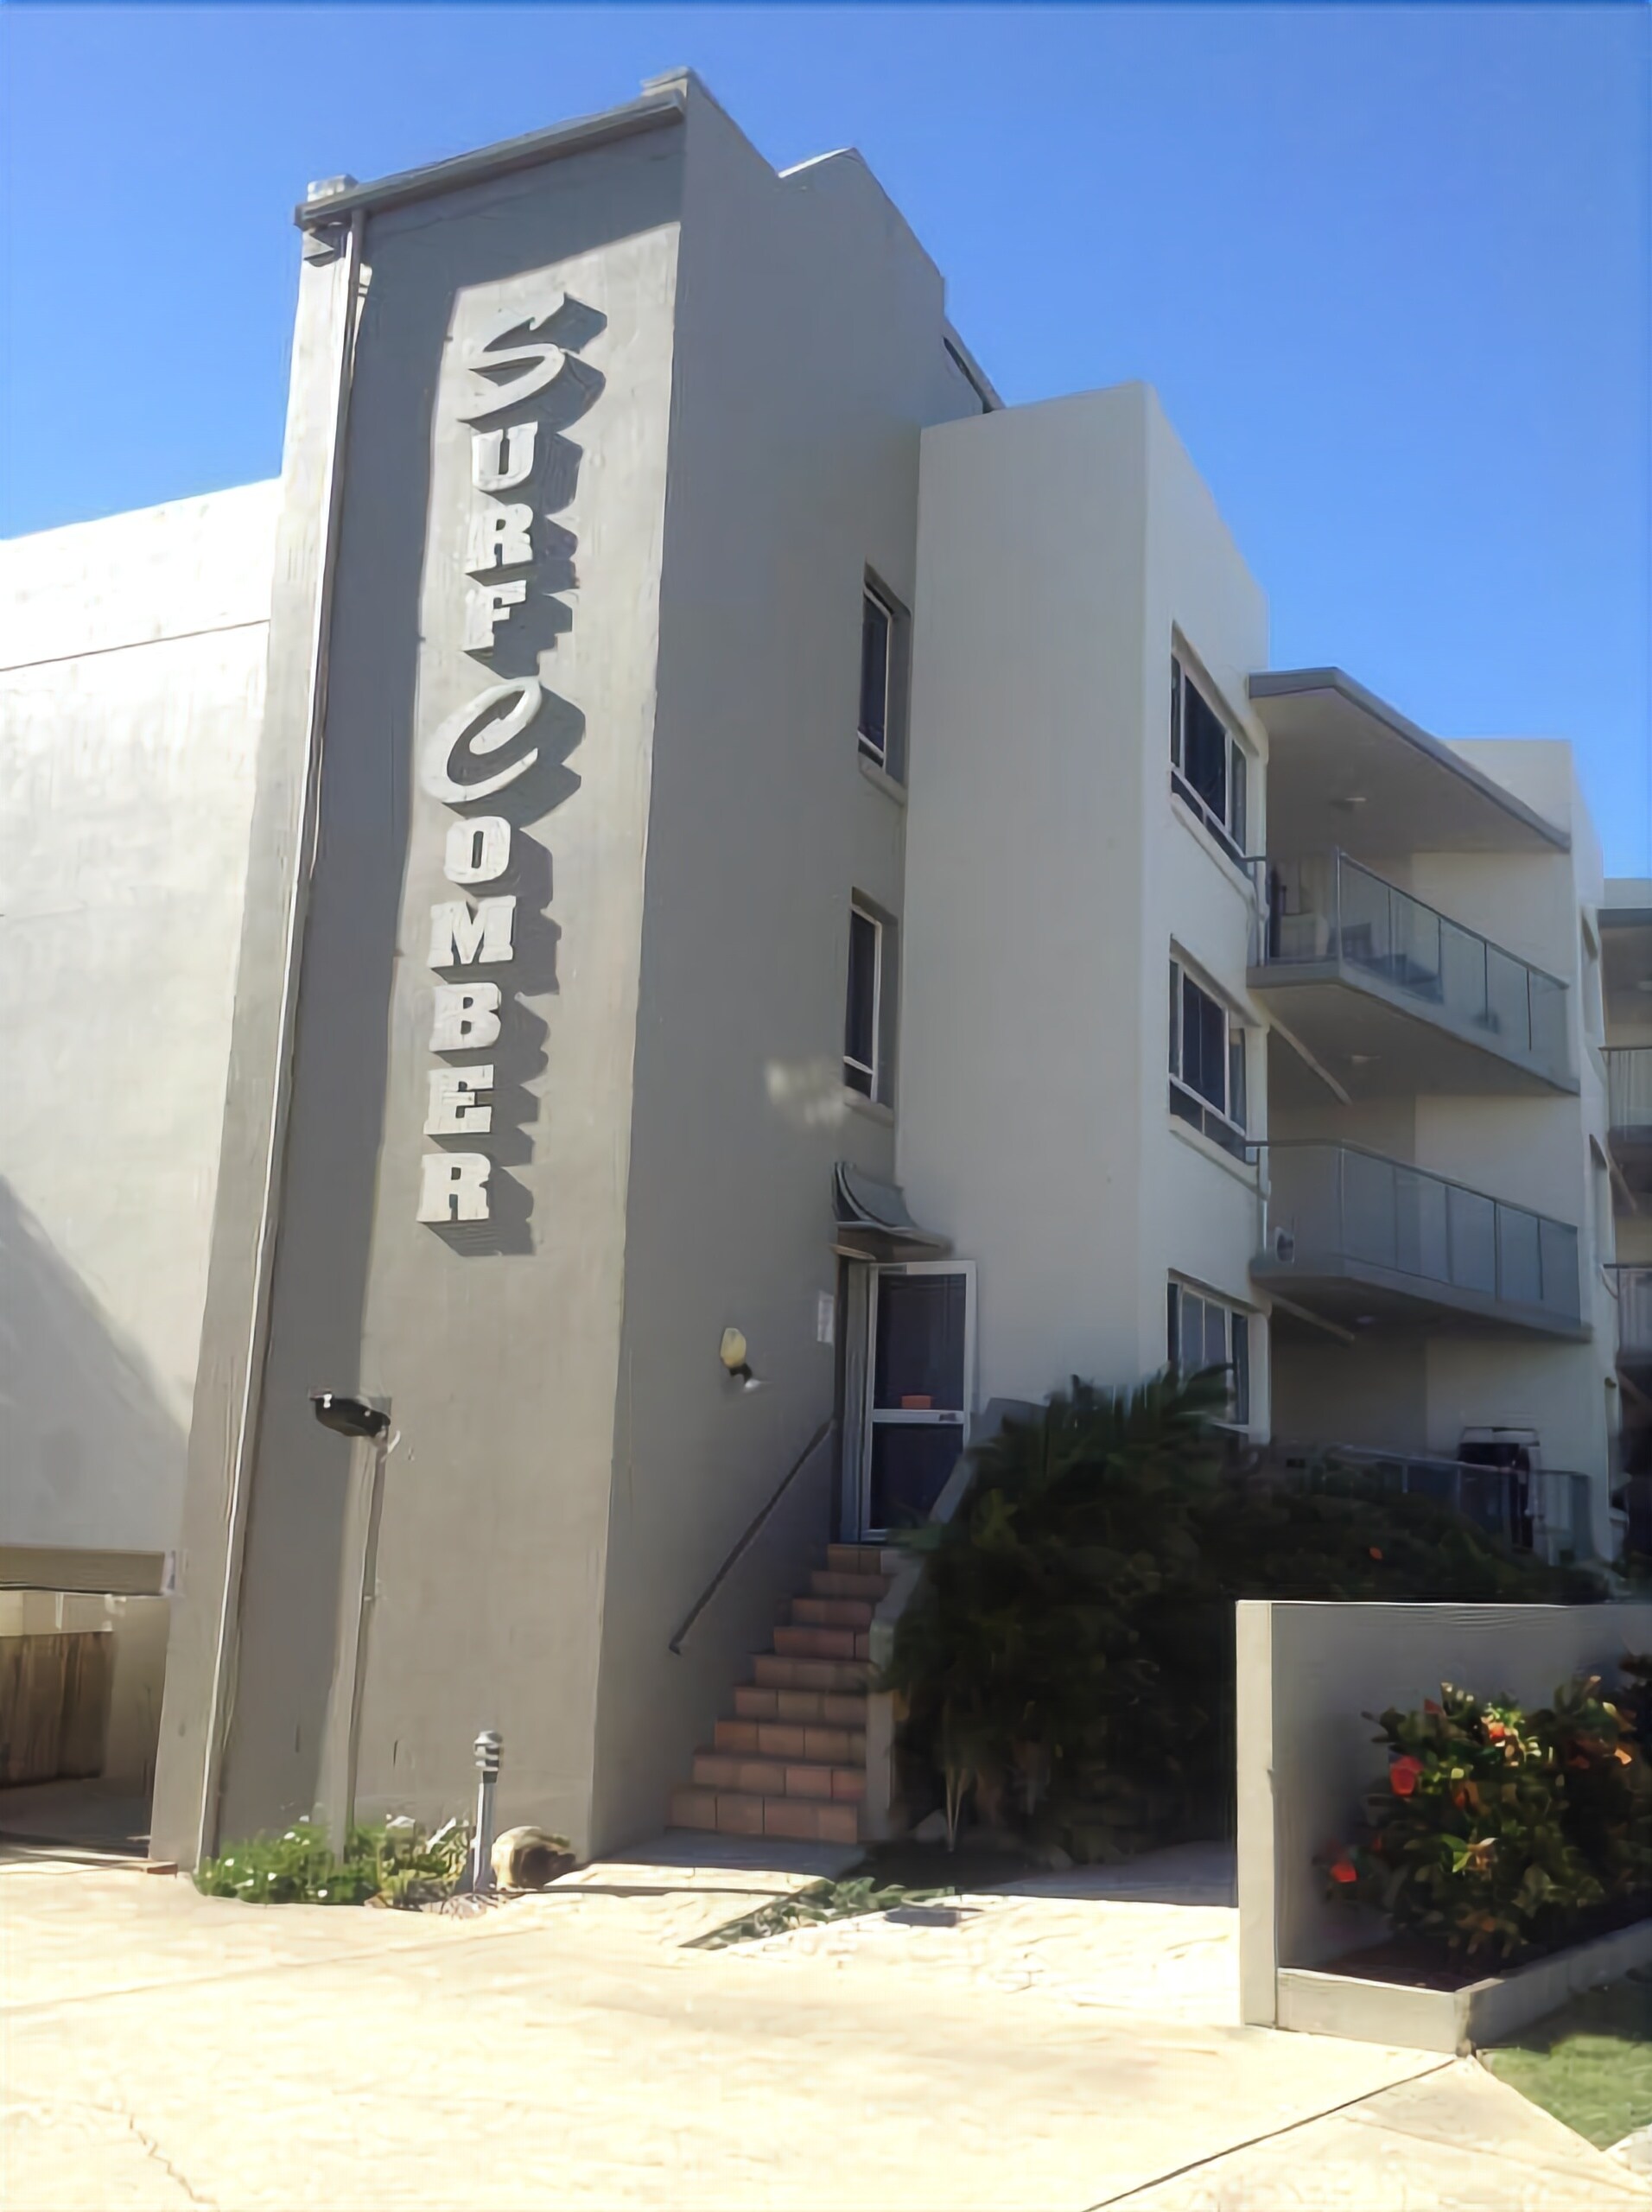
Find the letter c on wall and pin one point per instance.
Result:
(470, 735)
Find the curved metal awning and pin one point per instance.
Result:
(873, 1223)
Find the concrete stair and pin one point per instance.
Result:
(789, 1761)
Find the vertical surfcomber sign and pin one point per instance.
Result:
(480, 758)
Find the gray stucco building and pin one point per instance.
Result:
(719, 794)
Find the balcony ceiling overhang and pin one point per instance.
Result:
(1344, 769)
(1361, 1300)
(1374, 1045)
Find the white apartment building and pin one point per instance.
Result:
(688, 906)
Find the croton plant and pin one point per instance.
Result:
(1501, 1832)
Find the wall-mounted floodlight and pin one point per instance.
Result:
(348, 1416)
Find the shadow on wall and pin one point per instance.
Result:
(91, 1455)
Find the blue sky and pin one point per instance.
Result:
(1386, 266)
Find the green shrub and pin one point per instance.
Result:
(1067, 1660)
(1503, 1832)
(393, 1860)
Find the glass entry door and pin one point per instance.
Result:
(921, 1377)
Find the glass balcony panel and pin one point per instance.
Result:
(1369, 1214)
(1547, 1020)
(1634, 1312)
(1462, 974)
(1422, 1240)
(1366, 907)
(1332, 908)
(1629, 1087)
(1558, 1249)
(1473, 1224)
(1508, 1012)
(1520, 1264)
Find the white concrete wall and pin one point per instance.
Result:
(1308, 1675)
(808, 355)
(1049, 872)
(132, 678)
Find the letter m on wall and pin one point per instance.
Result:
(461, 934)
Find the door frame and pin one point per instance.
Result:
(894, 1418)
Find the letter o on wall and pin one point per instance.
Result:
(476, 732)
(478, 851)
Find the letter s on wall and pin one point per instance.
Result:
(472, 734)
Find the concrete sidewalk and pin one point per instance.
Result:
(160, 2049)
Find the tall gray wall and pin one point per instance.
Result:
(496, 1347)
(131, 677)
(809, 355)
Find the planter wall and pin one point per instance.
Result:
(1307, 1674)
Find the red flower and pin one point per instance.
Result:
(1375, 1553)
(1402, 1775)
(1495, 1731)
(1345, 1871)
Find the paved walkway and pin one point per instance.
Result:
(1041, 2049)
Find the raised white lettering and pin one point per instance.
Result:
(500, 460)
(453, 1186)
(499, 538)
(465, 1018)
(453, 1111)
(485, 606)
(478, 851)
(536, 361)
(461, 934)
(470, 732)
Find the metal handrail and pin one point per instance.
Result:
(743, 1541)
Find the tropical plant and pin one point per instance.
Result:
(1067, 1661)
(1470, 1848)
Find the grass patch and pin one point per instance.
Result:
(1590, 2064)
(811, 1908)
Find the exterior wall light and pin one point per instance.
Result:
(731, 1352)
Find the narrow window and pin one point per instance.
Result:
(1209, 771)
(877, 660)
(1207, 1063)
(1206, 1332)
(861, 1058)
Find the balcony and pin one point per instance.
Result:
(1363, 1241)
(1632, 1287)
(1629, 1113)
(1391, 997)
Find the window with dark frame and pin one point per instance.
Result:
(1207, 1333)
(878, 624)
(1210, 771)
(862, 1068)
(1207, 1064)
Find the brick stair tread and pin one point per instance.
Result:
(783, 1739)
(812, 1709)
(761, 1777)
(859, 1559)
(832, 1612)
(730, 1811)
(826, 1582)
(773, 1671)
(822, 1643)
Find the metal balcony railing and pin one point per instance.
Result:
(1628, 1089)
(1632, 1287)
(1330, 911)
(1338, 1203)
(1549, 1511)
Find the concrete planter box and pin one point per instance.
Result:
(1455, 2021)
